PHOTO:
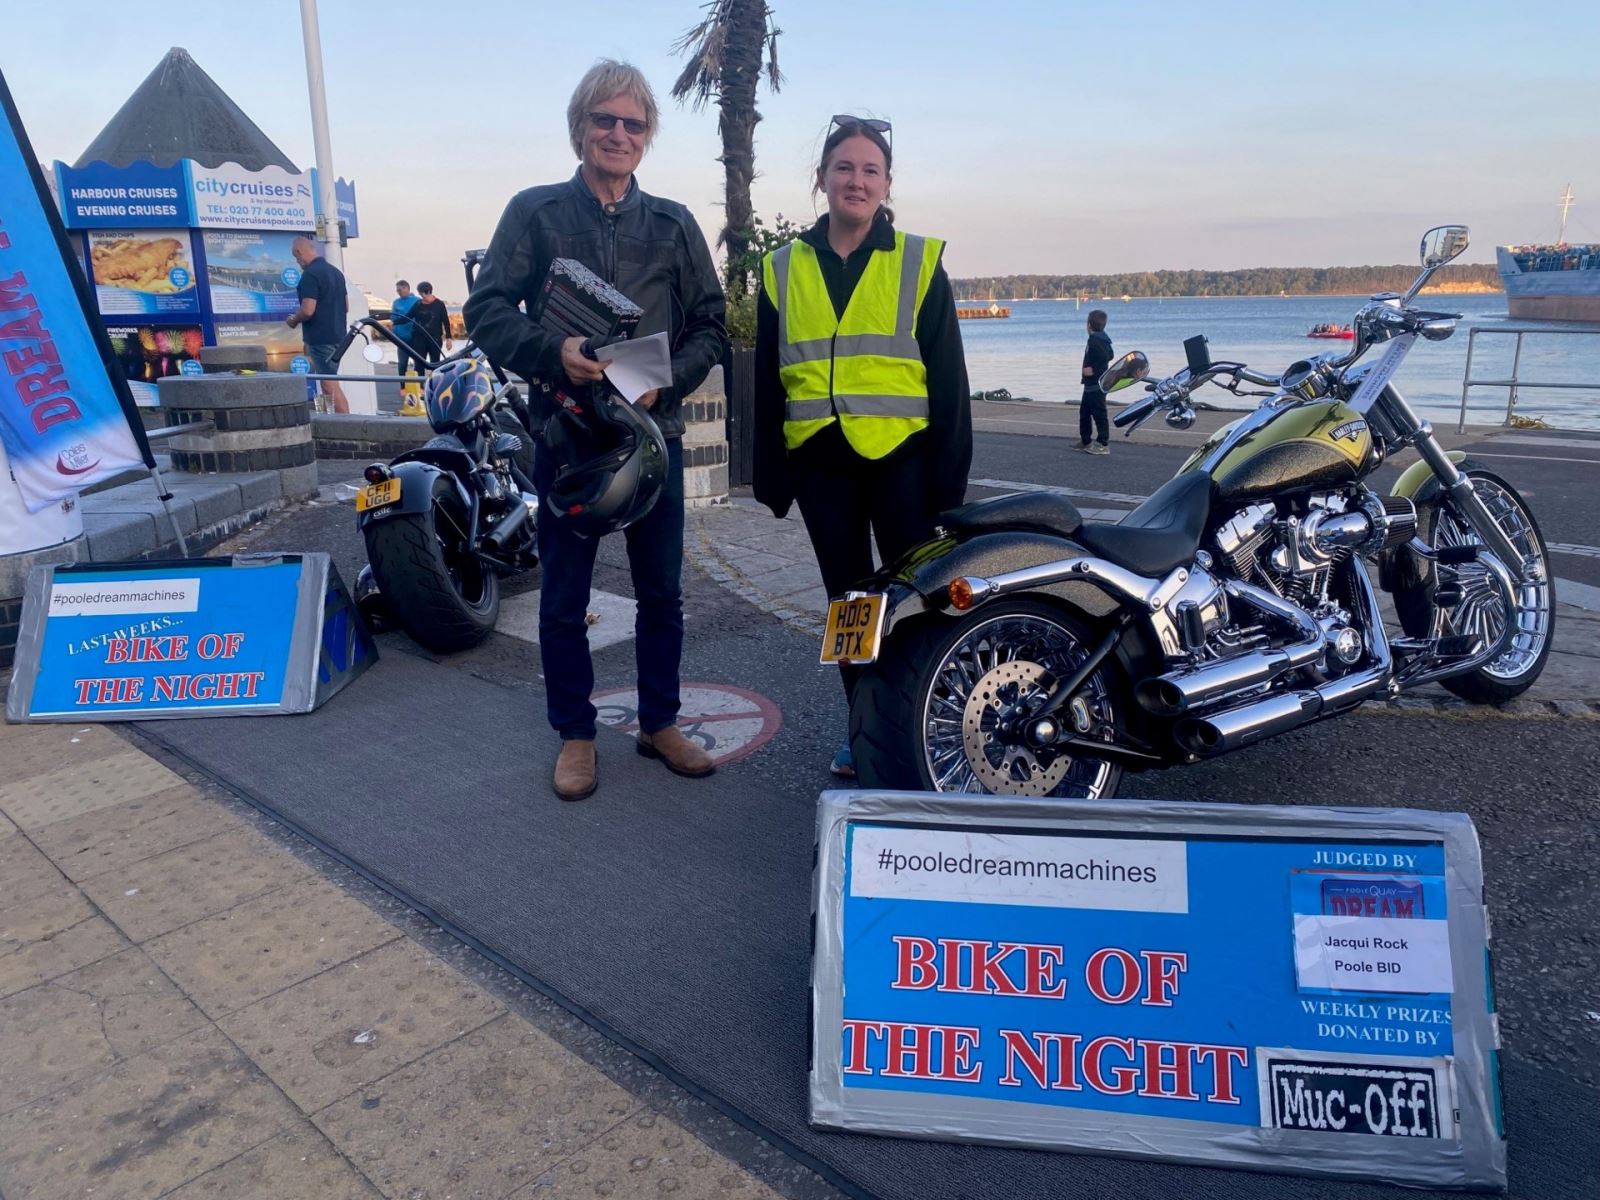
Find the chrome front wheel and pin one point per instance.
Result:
(1465, 601)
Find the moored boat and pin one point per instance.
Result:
(1554, 282)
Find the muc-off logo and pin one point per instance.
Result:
(1350, 429)
(1382, 1098)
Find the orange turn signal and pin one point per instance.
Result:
(961, 596)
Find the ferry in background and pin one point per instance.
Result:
(1557, 282)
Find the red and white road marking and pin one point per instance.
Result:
(726, 721)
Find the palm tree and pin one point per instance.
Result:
(727, 51)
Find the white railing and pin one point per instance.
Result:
(1516, 383)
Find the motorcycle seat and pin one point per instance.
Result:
(1032, 512)
(1162, 533)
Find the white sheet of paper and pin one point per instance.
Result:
(1382, 373)
(638, 365)
(1372, 954)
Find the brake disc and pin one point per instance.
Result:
(1010, 770)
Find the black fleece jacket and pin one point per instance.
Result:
(947, 440)
(649, 248)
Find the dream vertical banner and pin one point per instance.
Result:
(67, 417)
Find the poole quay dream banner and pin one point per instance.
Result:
(1302, 990)
(66, 418)
(199, 637)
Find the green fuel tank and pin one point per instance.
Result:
(1302, 448)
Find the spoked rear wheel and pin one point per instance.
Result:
(935, 713)
(1480, 611)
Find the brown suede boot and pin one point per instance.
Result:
(576, 774)
(681, 756)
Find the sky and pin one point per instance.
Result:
(1036, 137)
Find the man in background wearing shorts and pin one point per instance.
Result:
(323, 314)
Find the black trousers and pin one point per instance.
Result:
(408, 358)
(848, 501)
(1092, 409)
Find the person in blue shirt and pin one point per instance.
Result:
(322, 315)
(405, 300)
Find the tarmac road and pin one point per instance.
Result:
(1527, 783)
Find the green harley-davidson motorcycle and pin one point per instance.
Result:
(1025, 651)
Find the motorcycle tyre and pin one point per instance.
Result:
(1415, 608)
(412, 575)
(888, 748)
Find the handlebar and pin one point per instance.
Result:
(1135, 412)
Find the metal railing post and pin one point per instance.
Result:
(1511, 396)
(1466, 381)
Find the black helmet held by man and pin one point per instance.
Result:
(612, 463)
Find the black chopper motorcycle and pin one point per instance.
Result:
(445, 521)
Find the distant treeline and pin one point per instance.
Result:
(1256, 281)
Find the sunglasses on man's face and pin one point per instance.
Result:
(608, 122)
(876, 124)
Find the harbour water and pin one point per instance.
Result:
(1038, 351)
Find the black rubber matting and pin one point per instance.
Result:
(672, 913)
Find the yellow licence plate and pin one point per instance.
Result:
(854, 625)
(378, 495)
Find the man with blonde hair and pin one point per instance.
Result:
(652, 251)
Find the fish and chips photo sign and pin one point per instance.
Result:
(1301, 990)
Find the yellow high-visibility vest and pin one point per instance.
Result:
(863, 369)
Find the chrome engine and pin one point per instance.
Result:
(1278, 604)
(1294, 555)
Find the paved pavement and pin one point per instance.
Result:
(195, 1004)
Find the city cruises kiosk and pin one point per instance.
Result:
(187, 256)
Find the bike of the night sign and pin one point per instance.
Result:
(240, 636)
(1301, 990)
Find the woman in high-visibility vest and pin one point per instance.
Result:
(862, 412)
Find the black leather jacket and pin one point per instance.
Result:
(649, 248)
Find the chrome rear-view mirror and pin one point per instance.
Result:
(1444, 243)
(1131, 368)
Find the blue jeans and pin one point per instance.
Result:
(655, 558)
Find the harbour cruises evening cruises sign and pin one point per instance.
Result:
(1291, 989)
(191, 195)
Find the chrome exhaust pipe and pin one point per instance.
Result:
(1219, 732)
(1185, 691)
(1232, 728)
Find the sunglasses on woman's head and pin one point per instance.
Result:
(608, 121)
(876, 124)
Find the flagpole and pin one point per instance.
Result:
(327, 201)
